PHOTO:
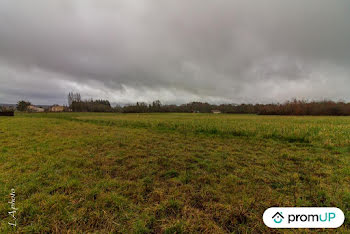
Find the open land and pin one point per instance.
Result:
(168, 173)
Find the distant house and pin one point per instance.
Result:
(216, 112)
(56, 108)
(32, 108)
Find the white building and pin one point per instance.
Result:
(32, 108)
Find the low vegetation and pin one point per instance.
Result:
(6, 111)
(294, 107)
(168, 173)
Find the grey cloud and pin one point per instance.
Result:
(175, 51)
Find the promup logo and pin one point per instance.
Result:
(278, 217)
(303, 217)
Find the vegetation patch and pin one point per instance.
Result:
(168, 173)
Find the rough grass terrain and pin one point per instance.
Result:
(168, 173)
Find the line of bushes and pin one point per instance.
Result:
(6, 111)
(295, 107)
(91, 106)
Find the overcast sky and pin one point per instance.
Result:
(175, 51)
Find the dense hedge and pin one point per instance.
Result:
(294, 107)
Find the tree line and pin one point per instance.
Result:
(294, 107)
(76, 104)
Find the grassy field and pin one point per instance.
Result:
(168, 173)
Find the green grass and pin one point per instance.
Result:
(168, 173)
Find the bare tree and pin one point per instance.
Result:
(70, 98)
(73, 97)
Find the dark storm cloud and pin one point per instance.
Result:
(175, 51)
